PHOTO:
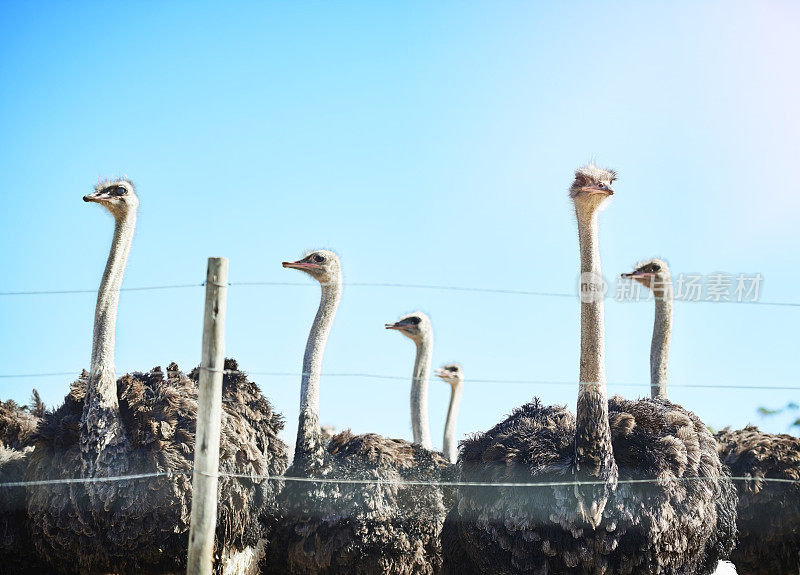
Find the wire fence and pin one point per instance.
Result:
(389, 482)
(405, 378)
(432, 287)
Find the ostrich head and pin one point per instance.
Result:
(117, 196)
(653, 274)
(592, 187)
(322, 265)
(451, 373)
(416, 326)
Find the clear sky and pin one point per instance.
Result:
(427, 143)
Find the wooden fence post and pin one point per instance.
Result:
(209, 422)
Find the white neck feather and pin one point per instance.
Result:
(419, 392)
(101, 427)
(659, 348)
(449, 443)
(309, 437)
(594, 454)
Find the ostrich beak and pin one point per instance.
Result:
(397, 326)
(97, 197)
(608, 191)
(637, 274)
(301, 265)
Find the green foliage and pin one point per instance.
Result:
(789, 407)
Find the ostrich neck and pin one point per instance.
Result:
(449, 445)
(101, 428)
(659, 348)
(310, 446)
(594, 455)
(419, 394)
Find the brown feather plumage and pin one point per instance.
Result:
(330, 528)
(144, 527)
(769, 513)
(17, 431)
(667, 527)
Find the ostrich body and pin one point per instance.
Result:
(357, 528)
(144, 423)
(17, 430)
(18, 424)
(681, 524)
(417, 327)
(16, 546)
(768, 512)
(452, 374)
(654, 275)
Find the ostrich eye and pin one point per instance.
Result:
(318, 258)
(414, 320)
(120, 191)
(601, 185)
(656, 268)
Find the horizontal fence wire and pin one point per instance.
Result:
(432, 287)
(405, 378)
(398, 482)
(94, 291)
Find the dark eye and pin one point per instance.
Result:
(414, 320)
(656, 268)
(318, 258)
(601, 186)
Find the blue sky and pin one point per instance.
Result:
(426, 144)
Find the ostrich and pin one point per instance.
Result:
(364, 528)
(144, 423)
(18, 423)
(453, 374)
(768, 512)
(654, 275)
(17, 430)
(16, 546)
(417, 327)
(681, 523)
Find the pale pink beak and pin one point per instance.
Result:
(592, 190)
(96, 197)
(638, 274)
(301, 265)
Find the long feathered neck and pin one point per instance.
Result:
(449, 443)
(101, 427)
(594, 455)
(659, 348)
(310, 447)
(419, 392)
